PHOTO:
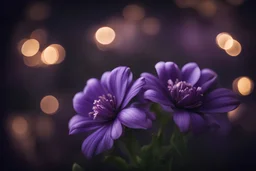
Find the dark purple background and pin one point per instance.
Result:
(184, 36)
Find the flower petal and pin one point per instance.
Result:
(90, 144)
(162, 74)
(167, 71)
(172, 71)
(146, 108)
(97, 142)
(219, 101)
(151, 115)
(148, 123)
(133, 91)
(105, 81)
(190, 73)
(207, 80)
(133, 118)
(157, 97)
(117, 129)
(198, 124)
(82, 105)
(78, 124)
(106, 142)
(93, 89)
(167, 108)
(152, 82)
(182, 119)
(120, 80)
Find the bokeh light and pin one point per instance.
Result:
(34, 61)
(150, 26)
(236, 114)
(30, 47)
(38, 11)
(105, 35)
(235, 49)
(49, 104)
(224, 40)
(243, 85)
(20, 44)
(102, 47)
(50, 55)
(133, 12)
(40, 35)
(19, 126)
(206, 8)
(61, 52)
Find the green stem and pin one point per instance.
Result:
(132, 147)
(163, 124)
(170, 164)
(124, 146)
(177, 149)
(160, 130)
(175, 136)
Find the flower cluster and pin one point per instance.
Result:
(106, 106)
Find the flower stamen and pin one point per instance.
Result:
(104, 106)
(185, 95)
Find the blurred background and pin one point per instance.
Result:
(53, 47)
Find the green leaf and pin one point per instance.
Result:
(138, 159)
(132, 143)
(77, 167)
(117, 161)
(145, 148)
(178, 142)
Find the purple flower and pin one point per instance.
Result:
(103, 108)
(189, 93)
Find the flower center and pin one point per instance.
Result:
(184, 95)
(104, 107)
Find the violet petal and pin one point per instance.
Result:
(78, 124)
(133, 91)
(93, 89)
(117, 129)
(207, 80)
(172, 71)
(120, 80)
(105, 81)
(146, 108)
(153, 82)
(157, 97)
(219, 101)
(161, 72)
(133, 118)
(97, 142)
(190, 73)
(81, 104)
(106, 142)
(182, 119)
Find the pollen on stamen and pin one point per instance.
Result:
(104, 106)
(185, 95)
